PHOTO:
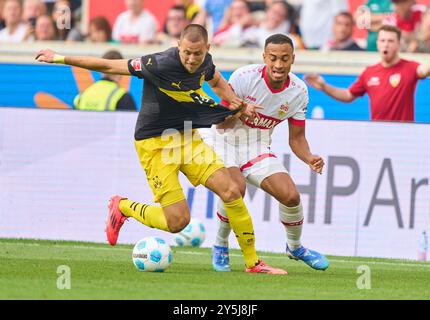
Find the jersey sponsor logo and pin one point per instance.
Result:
(264, 122)
(252, 99)
(149, 62)
(136, 64)
(177, 85)
(374, 81)
(395, 79)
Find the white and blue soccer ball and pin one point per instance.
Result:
(152, 254)
(193, 235)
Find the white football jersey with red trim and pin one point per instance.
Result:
(250, 83)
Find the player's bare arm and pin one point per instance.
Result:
(223, 90)
(299, 145)
(423, 71)
(91, 63)
(317, 82)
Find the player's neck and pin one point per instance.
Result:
(390, 63)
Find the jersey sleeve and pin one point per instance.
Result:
(211, 68)
(299, 118)
(145, 68)
(414, 69)
(135, 67)
(358, 88)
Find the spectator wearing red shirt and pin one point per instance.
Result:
(390, 84)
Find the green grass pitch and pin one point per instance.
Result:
(28, 270)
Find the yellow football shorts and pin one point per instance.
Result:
(163, 157)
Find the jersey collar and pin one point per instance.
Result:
(273, 90)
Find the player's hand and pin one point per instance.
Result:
(315, 81)
(316, 163)
(250, 112)
(45, 55)
(228, 123)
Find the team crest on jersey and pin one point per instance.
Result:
(136, 64)
(283, 110)
(395, 79)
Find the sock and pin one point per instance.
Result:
(223, 226)
(241, 223)
(292, 219)
(151, 216)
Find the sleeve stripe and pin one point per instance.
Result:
(300, 123)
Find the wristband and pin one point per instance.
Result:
(59, 59)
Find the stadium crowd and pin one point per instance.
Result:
(312, 24)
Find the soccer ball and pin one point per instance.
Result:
(193, 235)
(152, 254)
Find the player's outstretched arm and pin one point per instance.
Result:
(423, 71)
(223, 90)
(90, 63)
(299, 145)
(317, 82)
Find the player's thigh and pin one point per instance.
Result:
(200, 161)
(282, 187)
(162, 175)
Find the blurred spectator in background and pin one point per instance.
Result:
(15, 30)
(237, 26)
(136, 25)
(65, 22)
(379, 11)
(2, 23)
(277, 20)
(176, 21)
(32, 9)
(342, 34)
(422, 43)
(259, 5)
(390, 84)
(99, 30)
(213, 10)
(45, 29)
(191, 8)
(106, 94)
(316, 20)
(407, 17)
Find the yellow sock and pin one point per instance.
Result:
(241, 223)
(151, 216)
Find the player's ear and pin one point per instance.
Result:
(208, 46)
(179, 43)
(294, 58)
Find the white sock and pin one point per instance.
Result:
(292, 219)
(223, 226)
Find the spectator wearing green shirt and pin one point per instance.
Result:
(379, 10)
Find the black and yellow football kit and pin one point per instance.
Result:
(172, 97)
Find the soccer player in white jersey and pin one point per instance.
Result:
(245, 146)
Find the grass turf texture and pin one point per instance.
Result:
(28, 270)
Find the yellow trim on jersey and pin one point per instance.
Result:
(185, 96)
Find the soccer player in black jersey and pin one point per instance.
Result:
(174, 106)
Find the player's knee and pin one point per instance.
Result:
(291, 199)
(231, 192)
